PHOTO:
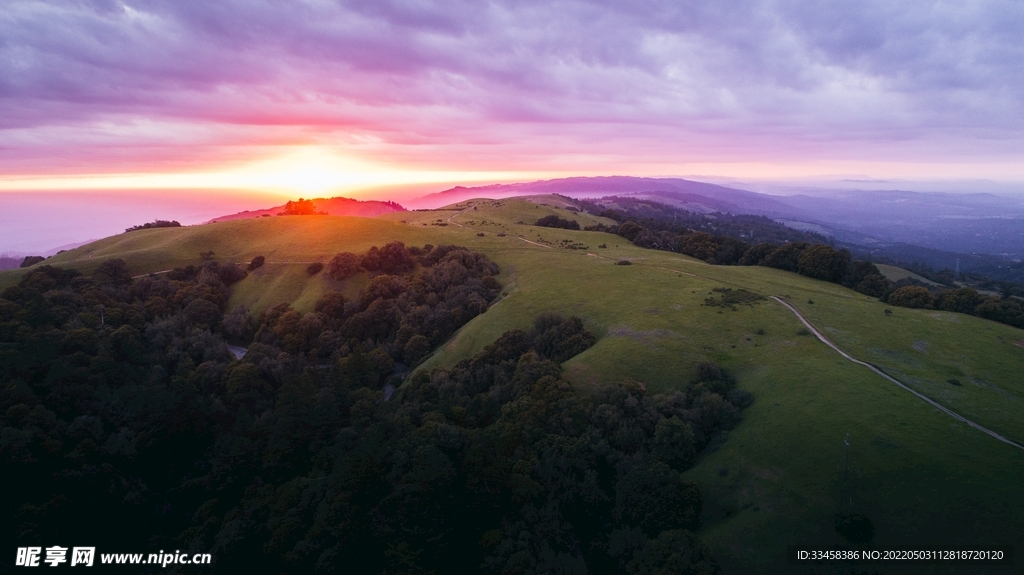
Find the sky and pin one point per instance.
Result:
(316, 97)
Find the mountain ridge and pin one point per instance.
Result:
(337, 206)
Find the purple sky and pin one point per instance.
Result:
(169, 94)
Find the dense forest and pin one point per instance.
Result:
(127, 423)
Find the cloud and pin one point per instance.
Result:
(435, 81)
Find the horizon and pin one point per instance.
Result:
(186, 108)
(77, 217)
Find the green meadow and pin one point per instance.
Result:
(779, 477)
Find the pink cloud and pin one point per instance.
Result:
(169, 85)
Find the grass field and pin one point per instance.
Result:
(896, 274)
(919, 475)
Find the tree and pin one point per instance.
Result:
(757, 254)
(874, 285)
(786, 257)
(344, 266)
(698, 244)
(824, 263)
(332, 305)
(256, 263)
(656, 498)
(155, 224)
(202, 312)
(391, 259)
(674, 443)
(114, 271)
(300, 207)
(674, 552)
(31, 261)
(963, 300)
(912, 297)
(415, 350)
(630, 230)
(314, 268)
(554, 221)
(558, 338)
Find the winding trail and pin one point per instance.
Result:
(931, 402)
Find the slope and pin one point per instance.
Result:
(919, 475)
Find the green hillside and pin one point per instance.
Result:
(777, 479)
(896, 274)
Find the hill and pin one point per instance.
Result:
(920, 476)
(984, 231)
(680, 193)
(328, 206)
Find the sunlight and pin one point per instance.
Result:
(307, 170)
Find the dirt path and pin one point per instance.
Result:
(150, 274)
(449, 220)
(534, 243)
(931, 402)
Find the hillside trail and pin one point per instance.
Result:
(449, 220)
(931, 402)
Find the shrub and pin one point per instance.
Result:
(314, 268)
(31, 261)
(256, 263)
(623, 263)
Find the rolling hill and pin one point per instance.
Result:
(983, 231)
(921, 476)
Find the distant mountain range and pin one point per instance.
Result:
(680, 193)
(329, 206)
(965, 223)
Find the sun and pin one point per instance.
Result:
(295, 170)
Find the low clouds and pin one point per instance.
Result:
(516, 82)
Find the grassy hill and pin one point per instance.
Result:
(896, 274)
(919, 475)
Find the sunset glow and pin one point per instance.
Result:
(307, 170)
(339, 98)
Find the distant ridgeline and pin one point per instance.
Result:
(320, 206)
(656, 226)
(127, 421)
(300, 207)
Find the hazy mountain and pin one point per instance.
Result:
(687, 194)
